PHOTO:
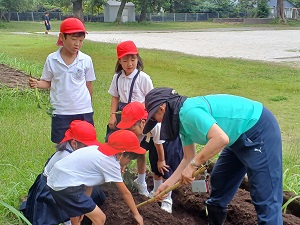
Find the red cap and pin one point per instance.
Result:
(70, 26)
(132, 113)
(121, 141)
(126, 48)
(81, 131)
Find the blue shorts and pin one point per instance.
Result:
(173, 156)
(61, 123)
(74, 201)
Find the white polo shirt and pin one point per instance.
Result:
(155, 134)
(87, 166)
(58, 155)
(143, 84)
(69, 94)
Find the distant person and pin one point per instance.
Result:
(40, 207)
(129, 84)
(243, 131)
(164, 156)
(72, 179)
(69, 74)
(47, 22)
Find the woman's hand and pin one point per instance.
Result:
(187, 174)
(160, 189)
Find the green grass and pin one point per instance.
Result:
(25, 129)
(31, 27)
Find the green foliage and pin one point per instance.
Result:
(16, 212)
(262, 9)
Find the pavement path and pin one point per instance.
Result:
(262, 45)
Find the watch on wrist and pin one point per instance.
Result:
(193, 163)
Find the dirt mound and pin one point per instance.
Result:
(12, 78)
(188, 208)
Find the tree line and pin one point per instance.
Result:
(225, 8)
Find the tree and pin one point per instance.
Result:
(280, 11)
(143, 10)
(16, 5)
(262, 9)
(120, 11)
(77, 9)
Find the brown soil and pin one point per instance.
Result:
(188, 207)
(12, 78)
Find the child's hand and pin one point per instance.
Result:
(162, 166)
(33, 83)
(139, 219)
(112, 121)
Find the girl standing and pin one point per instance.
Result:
(129, 84)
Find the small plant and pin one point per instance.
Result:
(278, 98)
(284, 207)
(16, 212)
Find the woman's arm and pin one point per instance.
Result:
(217, 140)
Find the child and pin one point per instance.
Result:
(164, 156)
(129, 84)
(47, 22)
(69, 74)
(40, 207)
(73, 177)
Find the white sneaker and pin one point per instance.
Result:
(167, 204)
(151, 194)
(142, 188)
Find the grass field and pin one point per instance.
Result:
(25, 129)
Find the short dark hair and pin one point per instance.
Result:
(78, 34)
(130, 155)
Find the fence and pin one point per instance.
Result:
(39, 16)
(291, 13)
(155, 17)
(180, 17)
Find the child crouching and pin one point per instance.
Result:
(72, 178)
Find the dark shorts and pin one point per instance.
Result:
(74, 201)
(61, 123)
(173, 156)
(48, 27)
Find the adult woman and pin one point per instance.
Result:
(244, 130)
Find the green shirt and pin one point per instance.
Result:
(235, 115)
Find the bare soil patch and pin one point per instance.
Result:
(12, 78)
(188, 207)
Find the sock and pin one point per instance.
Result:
(156, 184)
(170, 195)
(141, 178)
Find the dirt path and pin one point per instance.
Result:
(263, 45)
